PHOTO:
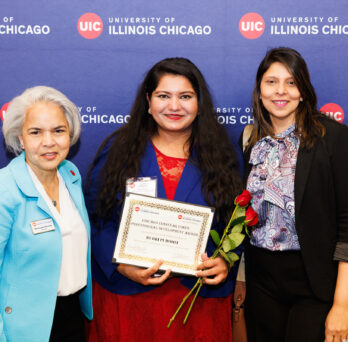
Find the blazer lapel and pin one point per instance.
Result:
(303, 165)
(149, 168)
(188, 181)
(25, 183)
(71, 179)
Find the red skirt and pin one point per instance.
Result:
(144, 317)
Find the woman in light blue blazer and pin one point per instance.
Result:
(45, 280)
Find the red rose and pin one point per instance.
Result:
(243, 199)
(251, 217)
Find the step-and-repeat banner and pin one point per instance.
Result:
(98, 51)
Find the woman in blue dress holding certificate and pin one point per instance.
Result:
(172, 135)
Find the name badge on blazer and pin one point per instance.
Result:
(142, 186)
(42, 226)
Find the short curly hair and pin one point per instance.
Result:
(15, 114)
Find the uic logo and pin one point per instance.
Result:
(251, 25)
(90, 26)
(3, 111)
(334, 111)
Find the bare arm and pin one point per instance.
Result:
(336, 325)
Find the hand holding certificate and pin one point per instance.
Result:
(153, 229)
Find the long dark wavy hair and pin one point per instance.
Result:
(213, 153)
(307, 126)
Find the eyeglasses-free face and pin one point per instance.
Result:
(45, 137)
(173, 104)
(280, 96)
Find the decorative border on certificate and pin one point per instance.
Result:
(154, 229)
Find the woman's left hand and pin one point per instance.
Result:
(216, 269)
(336, 325)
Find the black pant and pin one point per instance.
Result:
(280, 305)
(68, 321)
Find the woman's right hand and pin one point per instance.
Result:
(144, 276)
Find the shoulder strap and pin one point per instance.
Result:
(240, 289)
(241, 269)
(246, 135)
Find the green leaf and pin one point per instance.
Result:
(238, 220)
(237, 238)
(238, 228)
(226, 257)
(233, 256)
(240, 211)
(215, 236)
(228, 244)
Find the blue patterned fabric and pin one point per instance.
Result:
(271, 183)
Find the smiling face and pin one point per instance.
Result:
(280, 96)
(173, 104)
(45, 137)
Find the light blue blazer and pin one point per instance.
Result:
(30, 264)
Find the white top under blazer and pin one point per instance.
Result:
(73, 273)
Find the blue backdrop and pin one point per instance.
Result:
(97, 52)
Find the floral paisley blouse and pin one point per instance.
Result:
(271, 183)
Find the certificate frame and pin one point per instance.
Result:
(153, 229)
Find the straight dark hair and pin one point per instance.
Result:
(307, 126)
(209, 146)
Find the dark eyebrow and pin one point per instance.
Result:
(188, 91)
(273, 76)
(180, 92)
(39, 129)
(61, 126)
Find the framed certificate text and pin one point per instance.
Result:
(154, 229)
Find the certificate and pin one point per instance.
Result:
(154, 229)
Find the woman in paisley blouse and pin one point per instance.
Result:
(296, 169)
(172, 134)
